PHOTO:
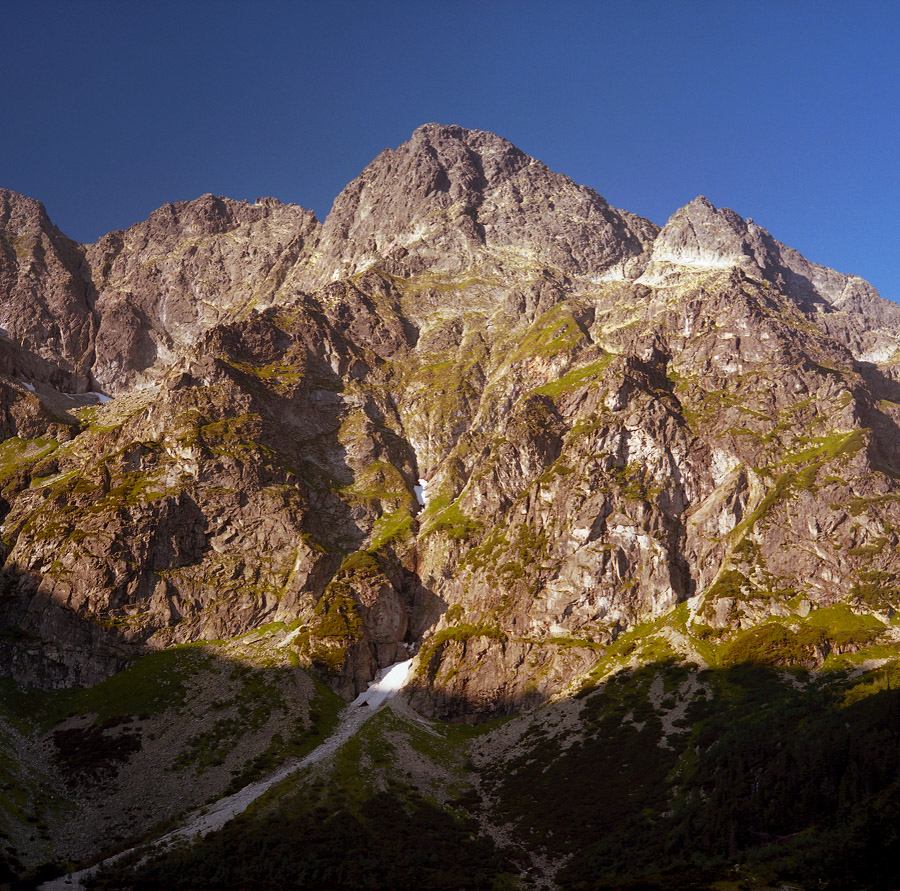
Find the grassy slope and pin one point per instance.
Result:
(385, 813)
(201, 721)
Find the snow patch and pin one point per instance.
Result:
(610, 275)
(289, 638)
(27, 386)
(93, 397)
(388, 682)
(421, 492)
(878, 356)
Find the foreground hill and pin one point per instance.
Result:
(481, 416)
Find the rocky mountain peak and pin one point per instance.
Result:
(236, 254)
(42, 281)
(700, 238)
(469, 197)
(473, 160)
(567, 461)
(701, 235)
(207, 216)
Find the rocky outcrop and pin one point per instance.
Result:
(163, 283)
(47, 294)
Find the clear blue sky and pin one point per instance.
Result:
(788, 111)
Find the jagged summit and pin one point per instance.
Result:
(45, 305)
(451, 202)
(214, 214)
(451, 197)
(704, 236)
(473, 302)
(446, 139)
(17, 211)
(701, 237)
(699, 234)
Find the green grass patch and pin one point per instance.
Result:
(823, 451)
(806, 643)
(845, 627)
(574, 379)
(554, 332)
(446, 516)
(435, 645)
(392, 527)
(155, 682)
(16, 454)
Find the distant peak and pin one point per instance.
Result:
(702, 208)
(715, 219)
(704, 236)
(10, 196)
(435, 128)
(447, 131)
(455, 132)
(452, 146)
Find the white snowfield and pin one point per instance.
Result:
(422, 493)
(388, 682)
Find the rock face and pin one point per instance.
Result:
(47, 293)
(471, 202)
(163, 283)
(610, 420)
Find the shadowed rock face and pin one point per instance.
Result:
(47, 293)
(611, 419)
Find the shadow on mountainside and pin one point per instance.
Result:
(226, 502)
(683, 776)
(883, 386)
(671, 777)
(161, 731)
(99, 767)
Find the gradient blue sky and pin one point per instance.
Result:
(788, 112)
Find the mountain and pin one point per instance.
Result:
(628, 494)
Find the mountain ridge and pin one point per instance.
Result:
(143, 317)
(476, 415)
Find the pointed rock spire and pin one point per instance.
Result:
(702, 235)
